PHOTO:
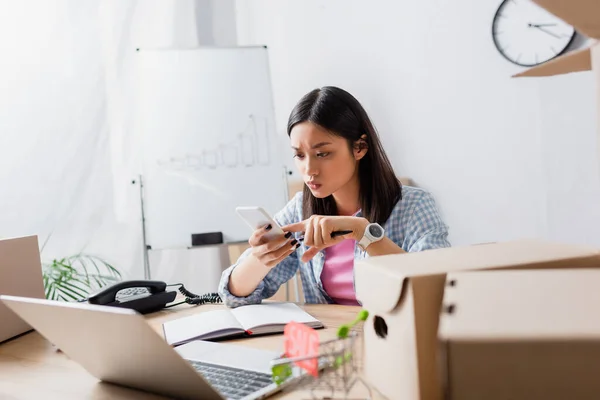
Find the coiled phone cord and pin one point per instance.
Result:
(194, 299)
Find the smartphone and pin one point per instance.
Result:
(257, 217)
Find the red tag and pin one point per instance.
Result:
(302, 341)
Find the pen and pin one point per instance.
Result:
(333, 234)
(339, 233)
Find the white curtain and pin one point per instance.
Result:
(67, 152)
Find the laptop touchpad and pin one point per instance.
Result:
(229, 355)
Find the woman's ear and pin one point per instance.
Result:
(360, 147)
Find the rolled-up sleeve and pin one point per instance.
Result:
(277, 276)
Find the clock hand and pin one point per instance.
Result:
(547, 31)
(539, 25)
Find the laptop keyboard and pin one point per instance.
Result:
(233, 383)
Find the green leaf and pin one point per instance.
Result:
(53, 292)
(72, 291)
(74, 277)
(99, 282)
(50, 291)
(95, 265)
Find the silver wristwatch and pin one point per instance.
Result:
(373, 233)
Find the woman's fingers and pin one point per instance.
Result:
(257, 236)
(317, 233)
(308, 234)
(327, 227)
(270, 250)
(272, 244)
(284, 250)
(309, 254)
(296, 227)
(273, 257)
(317, 236)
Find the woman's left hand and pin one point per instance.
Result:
(318, 229)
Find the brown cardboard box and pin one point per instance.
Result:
(521, 335)
(403, 294)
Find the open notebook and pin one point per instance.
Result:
(253, 319)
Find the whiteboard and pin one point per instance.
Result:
(205, 118)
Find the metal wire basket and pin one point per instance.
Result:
(339, 367)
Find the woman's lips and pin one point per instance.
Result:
(313, 186)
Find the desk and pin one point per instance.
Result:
(31, 368)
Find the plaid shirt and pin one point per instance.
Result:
(414, 225)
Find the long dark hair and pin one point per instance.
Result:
(341, 114)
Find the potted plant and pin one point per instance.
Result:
(73, 278)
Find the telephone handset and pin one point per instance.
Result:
(146, 296)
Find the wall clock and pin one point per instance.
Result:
(527, 35)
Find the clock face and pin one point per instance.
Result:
(527, 35)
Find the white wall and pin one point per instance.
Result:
(224, 22)
(570, 154)
(215, 21)
(54, 144)
(505, 158)
(67, 156)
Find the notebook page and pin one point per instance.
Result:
(208, 324)
(255, 315)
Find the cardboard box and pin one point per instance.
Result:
(403, 294)
(20, 275)
(521, 335)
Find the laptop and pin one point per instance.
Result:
(117, 345)
(20, 275)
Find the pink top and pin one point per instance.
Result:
(337, 275)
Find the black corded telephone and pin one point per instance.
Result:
(147, 296)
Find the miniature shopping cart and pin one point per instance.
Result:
(332, 371)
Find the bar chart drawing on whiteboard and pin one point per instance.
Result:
(250, 148)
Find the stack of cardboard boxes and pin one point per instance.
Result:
(440, 320)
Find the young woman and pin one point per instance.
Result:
(350, 185)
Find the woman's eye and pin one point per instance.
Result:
(322, 155)
(299, 156)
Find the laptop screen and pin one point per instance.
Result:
(20, 275)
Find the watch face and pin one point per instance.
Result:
(375, 230)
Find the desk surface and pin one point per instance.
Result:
(31, 368)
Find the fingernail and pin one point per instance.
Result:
(294, 242)
(268, 227)
(298, 245)
(301, 238)
(287, 235)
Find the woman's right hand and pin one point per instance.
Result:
(271, 251)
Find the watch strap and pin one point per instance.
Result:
(367, 238)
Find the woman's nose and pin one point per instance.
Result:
(310, 168)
